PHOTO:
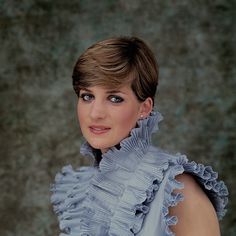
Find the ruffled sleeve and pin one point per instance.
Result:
(215, 189)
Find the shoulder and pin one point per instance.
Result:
(196, 214)
(193, 198)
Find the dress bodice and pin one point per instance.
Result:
(116, 196)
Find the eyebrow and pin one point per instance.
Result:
(115, 91)
(85, 89)
(108, 91)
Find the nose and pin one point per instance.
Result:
(97, 110)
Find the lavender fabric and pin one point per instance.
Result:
(130, 191)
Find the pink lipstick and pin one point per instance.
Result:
(98, 129)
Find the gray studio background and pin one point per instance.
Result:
(40, 40)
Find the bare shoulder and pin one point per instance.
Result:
(196, 214)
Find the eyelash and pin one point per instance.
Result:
(118, 99)
(83, 95)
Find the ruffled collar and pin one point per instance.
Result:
(115, 198)
(140, 135)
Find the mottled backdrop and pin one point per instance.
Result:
(40, 40)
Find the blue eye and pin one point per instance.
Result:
(116, 99)
(86, 97)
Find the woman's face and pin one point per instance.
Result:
(106, 116)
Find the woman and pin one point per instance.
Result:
(133, 188)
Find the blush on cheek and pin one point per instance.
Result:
(128, 120)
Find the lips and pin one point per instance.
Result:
(95, 129)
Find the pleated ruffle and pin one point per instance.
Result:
(205, 176)
(113, 198)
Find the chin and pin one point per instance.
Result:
(99, 146)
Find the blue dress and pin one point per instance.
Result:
(130, 191)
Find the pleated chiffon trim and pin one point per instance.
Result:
(114, 197)
(216, 190)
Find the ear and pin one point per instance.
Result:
(146, 108)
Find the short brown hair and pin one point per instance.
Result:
(115, 62)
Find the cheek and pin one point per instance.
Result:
(80, 113)
(127, 119)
